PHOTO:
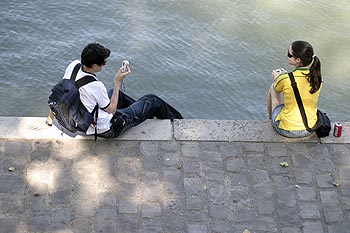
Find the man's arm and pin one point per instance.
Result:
(112, 107)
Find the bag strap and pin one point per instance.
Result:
(84, 80)
(81, 82)
(75, 72)
(299, 101)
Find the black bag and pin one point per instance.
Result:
(323, 124)
(66, 106)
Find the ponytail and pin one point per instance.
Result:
(315, 77)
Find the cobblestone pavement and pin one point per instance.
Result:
(173, 186)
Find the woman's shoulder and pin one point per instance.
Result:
(281, 78)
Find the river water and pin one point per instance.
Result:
(211, 59)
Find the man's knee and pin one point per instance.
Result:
(150, 97)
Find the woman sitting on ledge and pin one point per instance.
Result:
(282, 107)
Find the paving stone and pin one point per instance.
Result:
(306, 194)
(152, 192)
(215, 175)
(152, 226)
(231, 150)
(217, 194)
(260, 177)
(172, 206)
(39, 204)
(284, 182)
(219, 211)
(8, 225)
(196, 216)
(221, 226)
(291, 230)
(344, 173)
(240, 196)
(312, 227)
(193, 185)
(340, 154)
(194, 202)
(169, 146)
(126, 223)
(128, 207)
(108, 200)
(38, 223)
(149, 149)
(300, 160)
(190, 149)
(265, 190)
(309, 211)
(40, 155)
(17, 148)
(266, 224)
(333, 215)
(12, 184)
(345, 189)
(171, 159)
(10, 205)
(106, 215)
(266, 207)
(338, 229)
(239, 180)
(81, 225)
(105, 227)
(174, 223)
(329, 198)
(235, 165)
(324, 181)
(289, 216)
(243, 214)
(61, 216)
(61, 196)
(191, 166)
(253, 147)
(277, 149)
(196, 228)
(286, 198)
(212, 159)
(323, 166)
(303, 176)
(151, 210)
(258, 161)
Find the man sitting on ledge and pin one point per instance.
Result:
(117, 111)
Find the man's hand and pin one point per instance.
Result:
(120, 76)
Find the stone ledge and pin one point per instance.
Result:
(242, 130)
(163, 130)
(35, 128)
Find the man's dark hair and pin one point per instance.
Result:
(94, 53)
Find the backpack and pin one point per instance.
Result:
(67, 107)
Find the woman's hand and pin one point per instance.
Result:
(277, 72)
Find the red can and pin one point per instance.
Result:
(338, 128)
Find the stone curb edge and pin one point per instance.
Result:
(31, 128)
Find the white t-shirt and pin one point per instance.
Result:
(91, 94)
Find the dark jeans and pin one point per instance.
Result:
(131, 113)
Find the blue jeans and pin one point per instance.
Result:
(131, 113)
(283, 132)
